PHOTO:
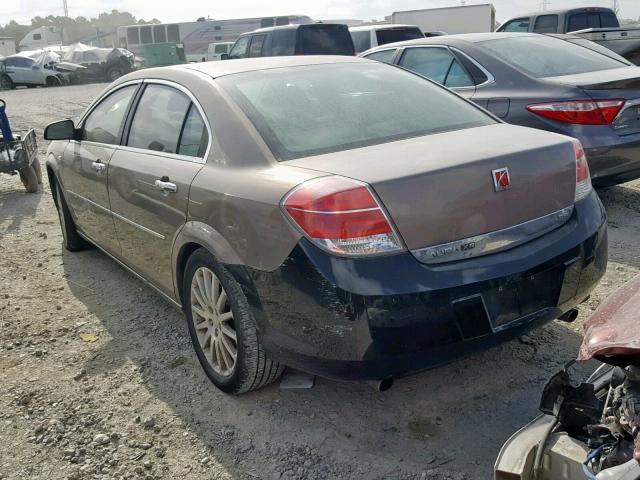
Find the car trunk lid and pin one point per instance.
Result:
(439, 188)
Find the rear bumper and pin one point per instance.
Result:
(611, 165)
(360, 319)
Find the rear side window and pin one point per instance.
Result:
(437, 64)
(282, 42)
(256, 45)
(158, 119)
(543, 56)
(325, 40)
(384, 56)
(104, 123)
(399, 34)
(546, 24)
(517, 25)
(194, 138)
(315, 109)
(239, 50)
(361, 40)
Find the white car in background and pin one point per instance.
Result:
(370, 36)
(32, 69)
(216, 50)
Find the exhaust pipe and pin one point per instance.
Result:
(570, 316)
(381, 385)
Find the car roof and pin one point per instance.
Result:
(455, 39)
(243, 65)
(287, 27)
(384, 26)
(561, 12)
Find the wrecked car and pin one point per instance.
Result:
(35, 68)
(101, 64)
(590, 429)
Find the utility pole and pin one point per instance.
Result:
(616, 6)
(463, 2)
(66, 8)
(545, 4)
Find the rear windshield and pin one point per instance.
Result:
(398, 34)
(543, 56)
(581, 21)
(316, 109)
(325, 40)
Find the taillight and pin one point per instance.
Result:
(581, 112)
(342, 216)
(583, 178)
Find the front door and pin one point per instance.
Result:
(149, 179)
(84, 168)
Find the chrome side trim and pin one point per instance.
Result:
(133, 272)
(120, 217)
(493, 242)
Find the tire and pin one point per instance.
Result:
(113, 74)
(53, 82)
(70, 238)
(38, 169)
(29, 179)
(6, 83)
(252, 368)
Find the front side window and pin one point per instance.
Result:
(546, 24)
(104, 124)
(385, 56)
(437, 64)
(517, 25)
(316, 109)
(361, 40)
(194, 138)
(158, 119)
(256, 46)
(239, 50)
(543, 56)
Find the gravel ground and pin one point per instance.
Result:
(99, 380)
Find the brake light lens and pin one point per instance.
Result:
(341, 216)
(581, 112)
(583, 178)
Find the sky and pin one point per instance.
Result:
(190, 10)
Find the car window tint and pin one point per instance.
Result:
(609, 20)
(398, 34)
(256, 45)
(544, 56)
(194, 138)
(282, 42)
(517, 25)
(239, 50)
(316, 109)
(325, 40)
(546, 24)
(361, 40)
(158, 119)
(384, 56)
(437, 64)
(104, 123)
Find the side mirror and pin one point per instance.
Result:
(61, 130)
(224, 56)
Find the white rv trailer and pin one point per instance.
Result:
(197, 36)
(460, 19)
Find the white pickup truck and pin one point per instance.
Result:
(597, 24)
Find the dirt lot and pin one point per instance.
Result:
(99, 380)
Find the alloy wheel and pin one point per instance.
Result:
(213, 321)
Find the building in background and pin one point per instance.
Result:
(7, 46)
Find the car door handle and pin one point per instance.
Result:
(166, 187)
(98, 166)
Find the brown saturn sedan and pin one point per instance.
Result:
(336, 215)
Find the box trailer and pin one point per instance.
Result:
(461, 19)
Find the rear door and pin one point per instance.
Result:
(84, 167)
(439, 64)
(150, 177)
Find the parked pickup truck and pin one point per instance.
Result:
(597, 24)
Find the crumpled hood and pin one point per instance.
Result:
(612, 334)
